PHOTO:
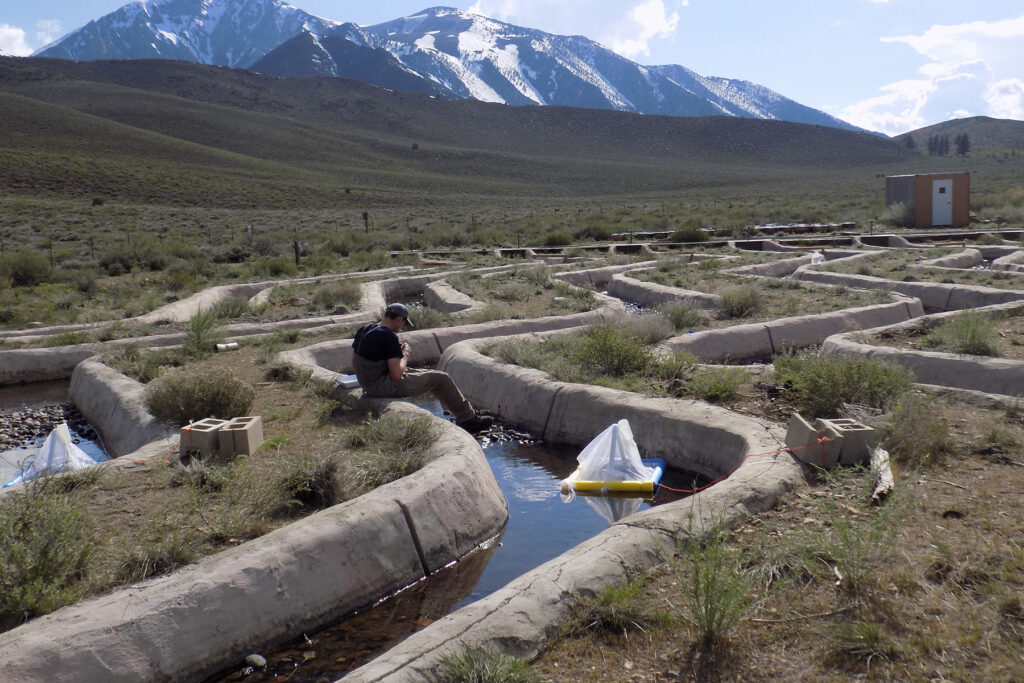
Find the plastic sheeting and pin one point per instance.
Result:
(613, 456)
(57, 454)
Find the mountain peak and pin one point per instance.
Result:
(440, 50)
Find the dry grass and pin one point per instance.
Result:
(940, 595)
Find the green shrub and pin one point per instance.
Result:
(557, 238)
(45, 549)
(897, 214)
(24, 268)
(913, 434)
(820, 385)
(231, 308)
(608, 349)
(342, 296)
(179, 397)
(716, 385)
(740, 302)
(969, 333)
(689, 232)
(682, 316)
(204, 332)
(478, 665)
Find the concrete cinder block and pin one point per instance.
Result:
(803, 437)
(242, 435)
(857, 440)
(201, 437)
(832, 448)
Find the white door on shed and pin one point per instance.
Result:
(942, 202)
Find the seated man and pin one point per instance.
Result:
(381, 367)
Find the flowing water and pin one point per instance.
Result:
(540, 527)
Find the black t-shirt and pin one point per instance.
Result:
(379, 344)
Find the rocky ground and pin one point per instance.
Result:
(28, 427)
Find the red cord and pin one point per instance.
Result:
(749, 455)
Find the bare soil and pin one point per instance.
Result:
(1009, 338)
(943, 598)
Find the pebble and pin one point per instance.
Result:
(27, 428)
(256, 661)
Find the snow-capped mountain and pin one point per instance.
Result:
(219, 32)
(439, 51)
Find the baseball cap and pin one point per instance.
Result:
(398, 309)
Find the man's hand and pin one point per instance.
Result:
(406, 350)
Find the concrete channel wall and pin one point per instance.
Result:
(651, 294)
(990, 375)
(209, 615)
(1012, 262)
(525, 614)
(116, 406)
(934, 296)
(762, 340)
(327, 360)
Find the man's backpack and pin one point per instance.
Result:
(360, 333)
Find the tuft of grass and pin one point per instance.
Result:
(161, 555)
(388, 449)
(969, 333)
(716, 586)
(617, 610)
(428, 318)
(45, 549)
(822, 384)
(180, 397)
(479, 665)
(140, 363)
(312, 483)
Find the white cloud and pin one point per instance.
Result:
(972, 69)
(1005, 99)
(12, 41)
(624, 27)
(47, 31)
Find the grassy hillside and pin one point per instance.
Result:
(326, 135)
(199, 151)
(986, 134)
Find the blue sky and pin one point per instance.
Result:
(885, 65)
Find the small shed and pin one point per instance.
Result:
(934, 198)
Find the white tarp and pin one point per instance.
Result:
(57, 454)
(613, 456)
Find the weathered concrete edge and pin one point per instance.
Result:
(527, 613)
(933, 295)
(206, 616)
(649, 294)
(987, 375)
(116, 406)
(755, 340)
(327, 360)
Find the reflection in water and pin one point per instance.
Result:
(354, 640)
(540, 527)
